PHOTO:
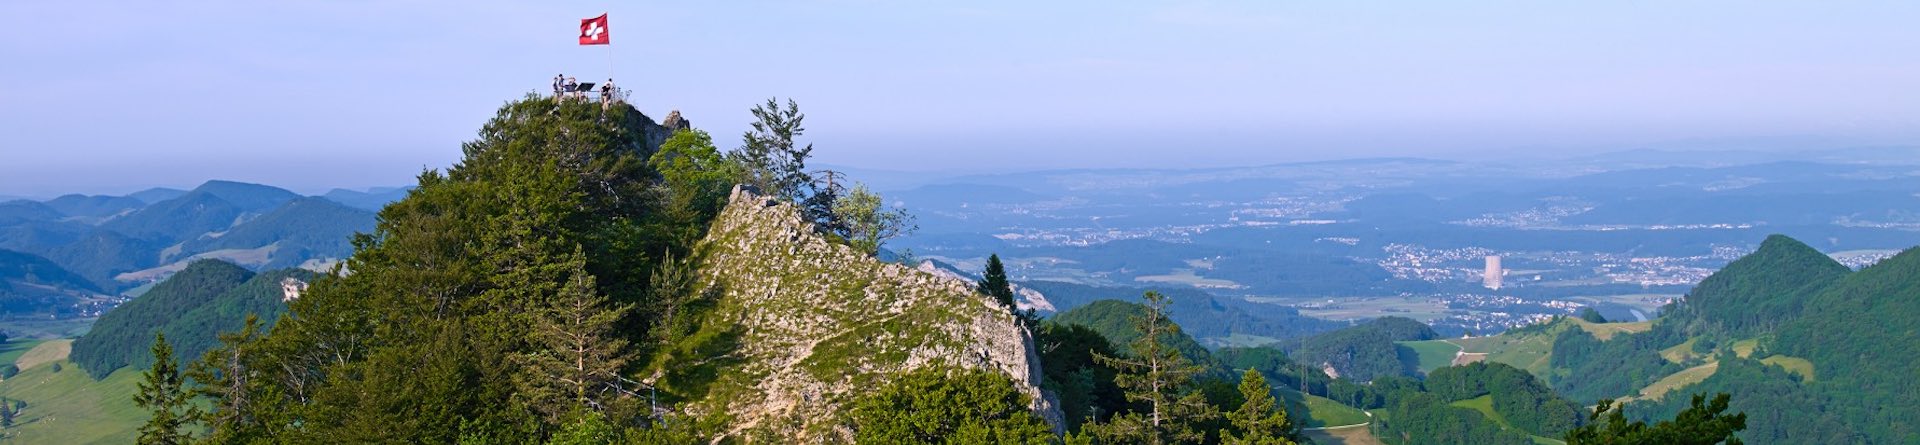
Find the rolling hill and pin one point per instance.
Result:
(32, 286)
(193, 307)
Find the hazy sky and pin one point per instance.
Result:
(99, 96)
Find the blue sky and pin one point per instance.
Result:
(110, 97)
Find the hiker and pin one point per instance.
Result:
(570, 86)
(606, 93)
(557, 80)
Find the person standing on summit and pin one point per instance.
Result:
(607, 92)
(557, 80)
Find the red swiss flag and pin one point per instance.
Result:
(593, 31)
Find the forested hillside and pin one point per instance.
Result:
(1811, 352)
(1364, 352)
(32, 286)
(1199, 313)
(1759, 292)
(192, 308)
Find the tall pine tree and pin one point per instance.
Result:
(994, 282)
(1160, 378)
(1260, 421)
(164, 394)
(226, 376)
(577, 366)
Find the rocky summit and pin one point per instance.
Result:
(819, 324)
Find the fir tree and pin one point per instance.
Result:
(994, 282)
(164, 394)
(226, 377)
(1160, 378)
(1259, 420)
(579, 357)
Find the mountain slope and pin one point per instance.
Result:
(32, 287)
(370, 200)
(95, 207)
(1860, 334)
(1199, 313)
(103, 254)
(122, 336)
(1113, 319)
(1762, 290)
(801, 326)
(302, 229)
(19, 211)
(249, 197)
(182, 218)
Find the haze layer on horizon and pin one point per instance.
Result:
(110, 97)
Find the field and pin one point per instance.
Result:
(1484, 404)
(1606, 331)
(13, 349)
(45, 352)
(1238, 341)
(67, 407)
(1794, 365)
(1187, 277)
(1744, 348)
(1434, 354)
(47, 329)
(1367, 307)
(1681, 352)
(1325, 412)
(1527, 351)
(1646, 303)
(1678, 380)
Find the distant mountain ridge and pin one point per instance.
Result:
(117, 242)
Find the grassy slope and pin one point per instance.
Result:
(1678, 380)
(1484, 404)
(1434, 354)
(1325, 412)
(1794, 365)
(1526, 351)
(1681, 352)
(46, 352)
(1744, 348)
(69, 408)
(13, 349)
(1606, 331)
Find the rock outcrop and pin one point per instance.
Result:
(817, 324)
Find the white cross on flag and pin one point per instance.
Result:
(593, 31)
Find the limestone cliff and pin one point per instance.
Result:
(816, 324)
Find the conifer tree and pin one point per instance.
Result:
(1159, 377)
(226, 376)
(165, 396)
(1259, 420)
(994, 282)
(579, 357)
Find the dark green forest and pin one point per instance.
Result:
(193, 308)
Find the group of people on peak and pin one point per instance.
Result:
(564, 87)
